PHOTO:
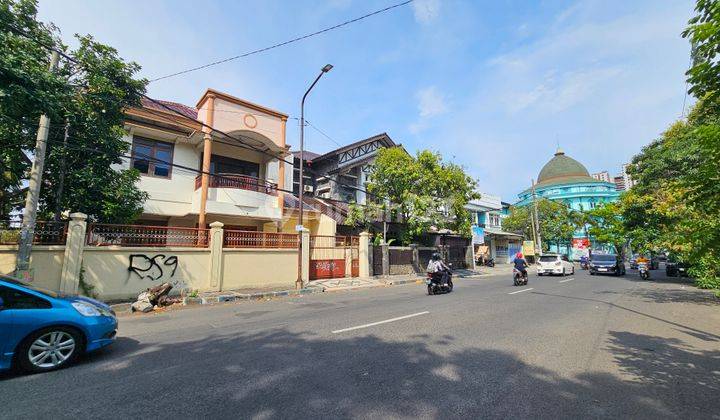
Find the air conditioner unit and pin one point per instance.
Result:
(308, 188)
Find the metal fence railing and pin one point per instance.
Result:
(99, 234)
(46, 232)
(250, 239)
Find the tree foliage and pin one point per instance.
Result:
(88, 96)
(557, 222)
(424, 192)
(676, 202)
(607, 225)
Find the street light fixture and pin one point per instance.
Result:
(325, 69)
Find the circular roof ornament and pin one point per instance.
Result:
(250, 121)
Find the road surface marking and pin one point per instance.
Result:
(380, 322)
(563, 281)
(520, 291)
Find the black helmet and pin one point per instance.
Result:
(436, 256)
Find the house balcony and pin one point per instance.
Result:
(239, 195)
(241, 182)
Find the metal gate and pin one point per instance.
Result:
(334, 256)
(454, 249)
(377, 264)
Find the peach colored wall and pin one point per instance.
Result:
(107, 269)
(231, 117)
(255, 268)
(45, 261)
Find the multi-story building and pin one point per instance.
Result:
(619, 182)
(628, 182)
(602, 176)
(488, 236)
(341, 174)
(194, 174)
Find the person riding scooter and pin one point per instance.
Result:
(438, 269)
(521, 264)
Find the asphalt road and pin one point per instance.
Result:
(562, 347)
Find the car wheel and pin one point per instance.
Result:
(573, 271)
(49, 349)
(564, 273)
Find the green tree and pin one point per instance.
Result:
(422, 191)
(89, 95)
(607, 225)
(556, 222)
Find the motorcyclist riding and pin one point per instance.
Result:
(521, 264)
(438, 268)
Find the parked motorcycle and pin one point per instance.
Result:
(644, 271)
(519, 279)
(490, 262)
(435, 285)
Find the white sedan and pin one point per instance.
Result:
(555, 264)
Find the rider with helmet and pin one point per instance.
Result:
(438, 268)
(521, 264)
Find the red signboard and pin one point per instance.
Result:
(581, 243)
(327, 269)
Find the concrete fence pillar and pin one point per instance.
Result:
(305, 254)
(385, 259)
(470, 256)
(348, 261)
(416, 258)
(216, 258)
(364, 254)
(72, 260)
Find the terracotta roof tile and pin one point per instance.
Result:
(187, 111)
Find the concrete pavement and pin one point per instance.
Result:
(576, 346)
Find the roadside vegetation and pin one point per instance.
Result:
(85, 100)
(423, 191)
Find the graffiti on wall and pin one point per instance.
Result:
(156, 268)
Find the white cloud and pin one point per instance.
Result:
(426, 10)
(431, 103)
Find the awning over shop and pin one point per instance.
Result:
(498, 232)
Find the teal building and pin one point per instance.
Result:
(567, 180)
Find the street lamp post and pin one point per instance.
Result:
(301, 192)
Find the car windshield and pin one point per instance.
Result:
(17, 282)
(548, 258)
(603, 258)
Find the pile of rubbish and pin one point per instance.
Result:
(154, 297)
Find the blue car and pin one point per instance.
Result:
(42, 330)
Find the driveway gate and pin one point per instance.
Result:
(334, 256)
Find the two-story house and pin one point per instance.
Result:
(226, 159)
(488, 236)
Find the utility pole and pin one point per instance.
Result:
(538, 238)
(33, 195)
(61, 176)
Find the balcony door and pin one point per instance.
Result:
(229, 166)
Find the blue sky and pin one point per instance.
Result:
(491, 84)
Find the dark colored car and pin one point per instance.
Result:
(607, 264)
(676, 269)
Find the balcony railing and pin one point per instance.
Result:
(241, 182)
(138, 235)
(250, 239)
(46, 233)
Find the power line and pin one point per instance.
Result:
(159, 103)
(172, 110)
(300, 38)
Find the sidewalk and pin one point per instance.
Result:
(320, 286)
